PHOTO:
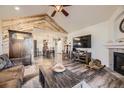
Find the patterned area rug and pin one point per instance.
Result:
(31, 77)
(32, 83)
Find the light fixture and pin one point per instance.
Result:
(77, 39)
(58, 8)
(79, 44)
(17, 8)
(17, 36)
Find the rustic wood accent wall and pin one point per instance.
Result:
(27, 24)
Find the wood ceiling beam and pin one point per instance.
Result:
(4, 24)
(32, 21)
(26, 17)
(42, 28)
(22, 29)
(50, 20)
(25, 25)
(45, 26)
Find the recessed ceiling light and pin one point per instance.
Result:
(17, 8)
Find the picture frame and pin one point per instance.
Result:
(121, 26)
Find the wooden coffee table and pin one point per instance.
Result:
(51, 79)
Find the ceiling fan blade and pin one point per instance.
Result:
(61, 5)
(53, 14)
(64, 12)
(52, 5)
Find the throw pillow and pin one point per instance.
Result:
(2, 64)
(7, 60)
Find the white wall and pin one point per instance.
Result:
(114, 22)
(41, 35)
(99, 36)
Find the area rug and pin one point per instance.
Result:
(31, 77)
(32, 83)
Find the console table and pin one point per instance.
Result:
(81, 56)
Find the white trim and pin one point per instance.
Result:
(115, 45)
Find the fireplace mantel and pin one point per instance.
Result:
(115, 45)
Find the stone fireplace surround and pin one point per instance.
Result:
(114, 47)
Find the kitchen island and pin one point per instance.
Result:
(77, 75)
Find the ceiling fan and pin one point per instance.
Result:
(59, 8)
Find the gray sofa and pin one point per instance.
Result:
(11, 74)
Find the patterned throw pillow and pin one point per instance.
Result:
(2, 64)
(6, 59)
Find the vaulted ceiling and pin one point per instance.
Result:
(28, 23)
(79, 16)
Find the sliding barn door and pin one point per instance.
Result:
(20, 46)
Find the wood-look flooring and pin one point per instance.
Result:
(104, 78)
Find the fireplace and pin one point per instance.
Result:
(119, 62)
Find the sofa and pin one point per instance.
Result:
(11, 74)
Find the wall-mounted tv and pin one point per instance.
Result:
(82, 42)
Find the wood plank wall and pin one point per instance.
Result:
(27, 24)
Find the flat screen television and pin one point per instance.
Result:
(82, 42)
